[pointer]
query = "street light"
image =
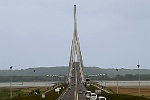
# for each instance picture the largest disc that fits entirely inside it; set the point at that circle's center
(105, 79)
(139, 77)
(34, 79)
(117, 80)
(101, 78)
(47, 77)
(10, 82)
(48, 81)
(61, 78)
(51, 78)
(96, 77)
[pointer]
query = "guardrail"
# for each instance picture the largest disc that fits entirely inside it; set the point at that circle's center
(102, 89)
(60, 97)
(43, 94)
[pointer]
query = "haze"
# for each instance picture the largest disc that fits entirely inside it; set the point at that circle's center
(112, 33)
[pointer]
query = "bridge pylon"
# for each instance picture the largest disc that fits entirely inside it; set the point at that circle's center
(75, 55)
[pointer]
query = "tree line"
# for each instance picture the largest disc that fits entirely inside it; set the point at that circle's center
(126, 77)
(32, 78)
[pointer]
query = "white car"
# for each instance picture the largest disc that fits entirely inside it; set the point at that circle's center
(93, 96)
(101, 98)
(88, 94)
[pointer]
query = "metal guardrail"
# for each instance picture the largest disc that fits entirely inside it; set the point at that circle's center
(50, 89)
(60, 97)
(102, 89)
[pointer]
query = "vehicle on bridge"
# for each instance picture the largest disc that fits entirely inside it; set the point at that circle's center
(88, 94)
(93, 96)
(87, 79)
(101, 98)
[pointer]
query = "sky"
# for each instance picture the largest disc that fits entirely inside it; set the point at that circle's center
(112, 33)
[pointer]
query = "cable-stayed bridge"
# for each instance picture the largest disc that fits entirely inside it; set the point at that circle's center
(76, 77)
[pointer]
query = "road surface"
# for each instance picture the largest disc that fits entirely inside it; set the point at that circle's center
(75, 90)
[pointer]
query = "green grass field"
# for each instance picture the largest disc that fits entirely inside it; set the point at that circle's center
(51, 95)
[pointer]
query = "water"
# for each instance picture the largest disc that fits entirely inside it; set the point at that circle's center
(125, 83)
(27, 84)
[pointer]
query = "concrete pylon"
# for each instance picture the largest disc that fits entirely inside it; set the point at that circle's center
(75, 55)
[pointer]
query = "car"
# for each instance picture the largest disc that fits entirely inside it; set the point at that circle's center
(80, 91)
(101, 98)
(88, 94)
(69, 88)
(93, 96)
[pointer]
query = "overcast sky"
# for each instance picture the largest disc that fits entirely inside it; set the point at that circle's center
(112, 33)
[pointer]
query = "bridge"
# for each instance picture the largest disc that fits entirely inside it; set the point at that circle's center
(76, 78)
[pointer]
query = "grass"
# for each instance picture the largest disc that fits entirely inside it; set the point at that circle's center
(16, 92)
(116, 96)
(51, 95)
(144, 91)
(4, 93)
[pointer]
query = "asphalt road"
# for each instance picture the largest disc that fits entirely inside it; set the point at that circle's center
(76, 88)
